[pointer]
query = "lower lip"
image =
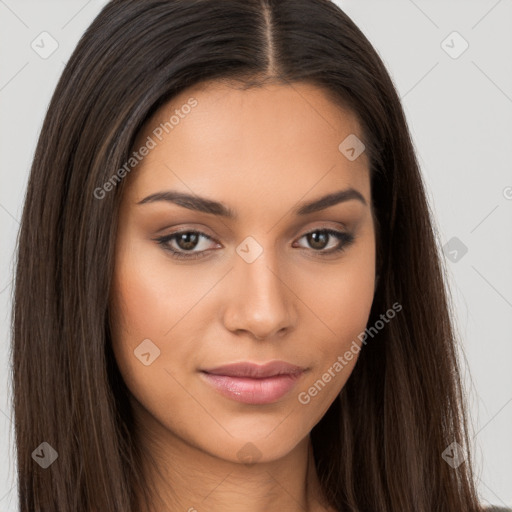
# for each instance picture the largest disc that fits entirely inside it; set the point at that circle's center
(253, 391)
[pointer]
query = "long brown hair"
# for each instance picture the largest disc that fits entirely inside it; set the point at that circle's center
(379, 447)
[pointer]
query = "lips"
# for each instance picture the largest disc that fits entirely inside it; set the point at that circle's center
(251, 383)
(256, 371)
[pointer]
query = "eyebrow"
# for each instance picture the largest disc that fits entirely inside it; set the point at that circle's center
(202, 204)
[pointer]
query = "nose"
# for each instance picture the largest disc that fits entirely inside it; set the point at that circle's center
(259, 300)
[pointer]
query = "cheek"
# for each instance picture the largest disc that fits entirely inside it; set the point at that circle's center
(148, 300)
(144, 307)
(341, 296)
(150, 295)
(342, 309)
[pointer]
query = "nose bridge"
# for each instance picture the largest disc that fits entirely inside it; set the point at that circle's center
(260, 302)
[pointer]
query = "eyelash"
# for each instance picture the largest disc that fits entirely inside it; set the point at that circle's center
(346, 239)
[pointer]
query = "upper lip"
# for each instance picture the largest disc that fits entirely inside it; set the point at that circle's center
(256, 371)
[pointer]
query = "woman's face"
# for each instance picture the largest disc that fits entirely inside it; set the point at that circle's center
(266, 284)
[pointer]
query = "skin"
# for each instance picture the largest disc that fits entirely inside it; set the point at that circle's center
(260, 152)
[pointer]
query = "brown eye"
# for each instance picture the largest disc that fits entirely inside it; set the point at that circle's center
(181, 245)
(187, 241)
(318, 240)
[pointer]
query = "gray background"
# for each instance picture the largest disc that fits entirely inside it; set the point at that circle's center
(460, 115)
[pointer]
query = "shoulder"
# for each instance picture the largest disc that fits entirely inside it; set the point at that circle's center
(497, 509)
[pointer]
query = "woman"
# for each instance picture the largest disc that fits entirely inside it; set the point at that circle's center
(228, 293)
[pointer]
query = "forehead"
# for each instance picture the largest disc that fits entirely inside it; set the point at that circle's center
(287, 135)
